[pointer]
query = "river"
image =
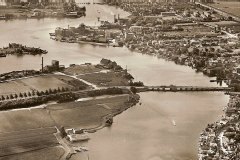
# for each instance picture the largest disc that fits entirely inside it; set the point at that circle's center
(143, 132)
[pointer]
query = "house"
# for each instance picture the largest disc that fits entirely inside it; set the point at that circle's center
(3, 3)
(78, 137)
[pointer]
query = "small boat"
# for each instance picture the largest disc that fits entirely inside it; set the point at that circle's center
(3, 18)
(72, 15)
(173, 122)
(52, 34)
(80, 149)
(3, 55)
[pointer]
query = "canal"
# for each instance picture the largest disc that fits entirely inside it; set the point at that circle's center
(165, 127)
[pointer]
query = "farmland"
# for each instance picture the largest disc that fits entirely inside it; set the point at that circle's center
(53, 153)
(24, 119)
(229, 7)
(26, 140)
(81, 69)
(38, 83)
(86, 114)
(28, 133)
(106, 79)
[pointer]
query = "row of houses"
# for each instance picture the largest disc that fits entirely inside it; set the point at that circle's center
(17, 2)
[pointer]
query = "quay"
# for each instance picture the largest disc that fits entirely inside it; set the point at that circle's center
(173, 88)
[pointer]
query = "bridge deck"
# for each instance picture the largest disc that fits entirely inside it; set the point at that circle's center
(181, 88)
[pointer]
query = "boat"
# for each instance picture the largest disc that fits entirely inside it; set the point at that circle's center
(52, 34)
(80, 149)
(213, 80)
(3, 55)
(72, 15)
(173, 122)
(3, 18)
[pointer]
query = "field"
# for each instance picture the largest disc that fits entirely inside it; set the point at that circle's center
(86, 114)
(25, 130)
(26, 140)
(229, 7)
(50, 153)
(81, 69)
(28, 133)
(106, 79)
(18, 120)
(39, 83)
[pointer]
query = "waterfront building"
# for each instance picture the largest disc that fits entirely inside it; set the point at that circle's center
(3, 3)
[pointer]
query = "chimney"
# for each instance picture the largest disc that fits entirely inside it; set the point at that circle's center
(42, 64)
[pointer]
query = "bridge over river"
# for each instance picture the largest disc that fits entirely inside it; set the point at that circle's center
(173, 88)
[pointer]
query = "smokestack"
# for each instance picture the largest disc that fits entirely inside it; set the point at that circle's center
(42, 64)
(115, 19)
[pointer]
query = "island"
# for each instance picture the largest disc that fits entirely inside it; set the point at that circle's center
(19, 49)
(40, 9)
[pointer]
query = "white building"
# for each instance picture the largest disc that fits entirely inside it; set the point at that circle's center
(3, 3)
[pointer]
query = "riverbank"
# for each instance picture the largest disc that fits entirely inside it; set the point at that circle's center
(20, 50)
(88, 115)
(65, 102)
(220, 140)
(128, 127)
(29, 10)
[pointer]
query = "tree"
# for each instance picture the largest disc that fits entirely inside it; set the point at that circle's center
(55, 90)
(25, 94)
(20, 95)
(42, 93)
(16, 96)
(3, 98)
(29, 94)
(33, 93)
(50, 91)
(63, 89)
(11, 96)
(46, 92)
(38, 93)
(134, 90)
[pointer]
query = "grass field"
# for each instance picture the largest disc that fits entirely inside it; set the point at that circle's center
(81, 69)
(39, 83)
(12, 121)
(50, 153)
(26, 140)
(86, 114)
(229, 7)
(28, 134)
(106, 79)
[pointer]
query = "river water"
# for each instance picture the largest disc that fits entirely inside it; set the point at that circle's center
(144, 132)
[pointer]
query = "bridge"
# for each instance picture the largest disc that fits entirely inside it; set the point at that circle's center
(173, 88)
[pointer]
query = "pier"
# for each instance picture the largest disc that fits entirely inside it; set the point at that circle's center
(173, 88)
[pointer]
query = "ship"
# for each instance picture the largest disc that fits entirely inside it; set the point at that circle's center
(3, 55)
(52, 34)
(72, 15)
(173, 122)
